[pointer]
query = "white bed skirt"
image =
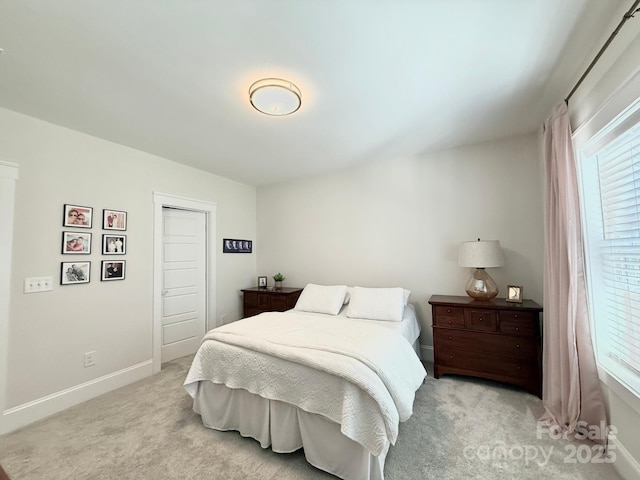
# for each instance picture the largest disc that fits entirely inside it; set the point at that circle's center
(285, 428)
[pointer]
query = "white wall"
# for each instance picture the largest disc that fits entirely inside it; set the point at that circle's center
(399, 223)
(49, 332)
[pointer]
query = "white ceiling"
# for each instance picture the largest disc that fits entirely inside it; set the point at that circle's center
(380, 79)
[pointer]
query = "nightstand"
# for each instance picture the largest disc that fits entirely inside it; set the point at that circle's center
(492, 339)
(257, 300)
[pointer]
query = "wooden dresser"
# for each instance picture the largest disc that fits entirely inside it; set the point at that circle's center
(492, 339)
(257, 300)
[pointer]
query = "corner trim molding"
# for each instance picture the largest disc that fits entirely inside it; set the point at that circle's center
(8, 180)
(626, 465)
(426, 353)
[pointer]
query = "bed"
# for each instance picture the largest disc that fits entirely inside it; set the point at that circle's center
(334, 376)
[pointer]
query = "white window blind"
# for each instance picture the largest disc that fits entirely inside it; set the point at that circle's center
(619, 178)
(609, 166)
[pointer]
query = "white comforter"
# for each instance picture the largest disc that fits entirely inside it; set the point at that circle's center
(363, 377)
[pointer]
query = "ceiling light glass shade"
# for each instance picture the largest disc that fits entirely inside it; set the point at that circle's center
(480, 255)
(274, 96)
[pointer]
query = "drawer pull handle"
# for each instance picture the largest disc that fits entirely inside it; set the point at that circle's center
(450, 337)
(481, 319)
(515, 316)
(450, 356)
(518, 345)
(518, 367)
(449, 322)
(448, 310)
(517, 329)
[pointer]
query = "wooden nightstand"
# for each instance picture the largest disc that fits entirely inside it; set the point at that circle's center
(492, 339)
(257, 300)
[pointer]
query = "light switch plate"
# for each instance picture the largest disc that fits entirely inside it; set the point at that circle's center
(38, 284)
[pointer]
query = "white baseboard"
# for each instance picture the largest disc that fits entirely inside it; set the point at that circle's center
(27, 413)
(626, 466)
(426, 353)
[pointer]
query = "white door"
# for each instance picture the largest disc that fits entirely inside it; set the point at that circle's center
(183, 282)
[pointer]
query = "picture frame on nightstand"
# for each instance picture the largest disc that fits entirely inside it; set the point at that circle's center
(514, 294)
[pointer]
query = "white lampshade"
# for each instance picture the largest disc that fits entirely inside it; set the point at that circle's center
(274, 96)
(480, 254)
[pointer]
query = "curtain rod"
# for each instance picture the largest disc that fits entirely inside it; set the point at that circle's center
(632, 11)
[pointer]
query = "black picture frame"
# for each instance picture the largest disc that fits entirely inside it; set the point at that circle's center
(76, 243)
(113, 270)
(234, 245)
(73, 273)
(114, 220)
(113, 244)
(77, 216)
(262, 282)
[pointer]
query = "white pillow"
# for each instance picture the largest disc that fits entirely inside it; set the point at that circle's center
(321, 298)
(347, 297)
(377, 303)
(405, 292)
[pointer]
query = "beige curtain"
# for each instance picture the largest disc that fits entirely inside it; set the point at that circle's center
(571, 389)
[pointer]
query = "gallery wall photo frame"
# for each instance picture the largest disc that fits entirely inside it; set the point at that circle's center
(114, 220)
(113, 244)
(72, 273)
(234, 245)
(76, 243)
(113, 270)
(77, 216)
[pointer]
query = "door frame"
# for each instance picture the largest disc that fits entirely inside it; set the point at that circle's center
(8, 180)
(161, 200)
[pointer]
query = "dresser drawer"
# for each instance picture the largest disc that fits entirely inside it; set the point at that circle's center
(490, 366)
(480, 319)
(251, 299)
(446, 316)
(279, 303)
(514, 346)
(519, 323)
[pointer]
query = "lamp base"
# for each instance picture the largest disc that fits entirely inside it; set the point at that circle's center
(481, 286)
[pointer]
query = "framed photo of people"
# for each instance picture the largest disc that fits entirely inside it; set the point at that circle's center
(76, 243)
(114, 244)
(72, 273)
(77, 216)
(233, 245)
(113, 270)
(114, 220)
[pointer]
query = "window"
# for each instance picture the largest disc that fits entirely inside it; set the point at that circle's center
(609, 167)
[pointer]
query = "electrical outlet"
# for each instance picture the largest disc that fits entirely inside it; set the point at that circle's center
(89, 359)
(38, 284)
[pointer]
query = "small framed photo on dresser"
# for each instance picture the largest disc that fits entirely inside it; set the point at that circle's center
(514, 294)
(262, 282)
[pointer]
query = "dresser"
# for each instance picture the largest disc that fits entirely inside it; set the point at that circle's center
(492, 339)
(257, 300)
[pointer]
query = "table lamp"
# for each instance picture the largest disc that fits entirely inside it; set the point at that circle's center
(480, 255)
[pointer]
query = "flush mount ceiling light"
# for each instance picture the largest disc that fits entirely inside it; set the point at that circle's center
(274, 96)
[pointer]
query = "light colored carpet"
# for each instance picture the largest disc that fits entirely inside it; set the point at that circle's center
(148, 431)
